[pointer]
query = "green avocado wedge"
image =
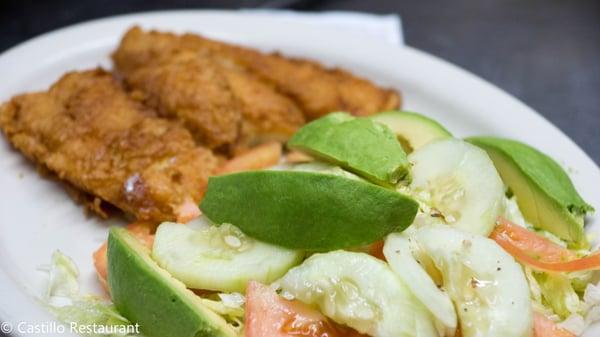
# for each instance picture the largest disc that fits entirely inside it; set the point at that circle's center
(359, 145)
(146, 294)
(307, 210)
(412, 129)
(544, 191)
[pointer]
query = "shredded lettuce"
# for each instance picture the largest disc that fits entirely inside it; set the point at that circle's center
(512, 212)
(64, 300)
(63, 275)
(589, 314)
(571, 299)
(230, 306)
(558, 293)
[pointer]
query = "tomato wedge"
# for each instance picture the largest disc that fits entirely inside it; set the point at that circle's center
(544, 327)
(538, 252)
(269, 315)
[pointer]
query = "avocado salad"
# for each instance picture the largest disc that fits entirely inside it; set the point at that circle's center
(391, 227)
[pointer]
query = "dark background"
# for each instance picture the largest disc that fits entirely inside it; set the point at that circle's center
(545, 52)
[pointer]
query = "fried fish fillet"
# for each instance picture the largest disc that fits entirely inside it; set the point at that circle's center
(315, 89)
(193, 90)
(87, 131)
(151, 63)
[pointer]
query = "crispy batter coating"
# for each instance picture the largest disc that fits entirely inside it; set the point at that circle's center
(266, 113)
(193, 90)
(87, 131)
(274, 91)
(317, 90)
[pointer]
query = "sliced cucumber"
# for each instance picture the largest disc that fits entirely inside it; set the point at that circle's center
(459, 181)
(398, 252)
(412, 129)
(219, 258)
(360, 291)
(487, 286)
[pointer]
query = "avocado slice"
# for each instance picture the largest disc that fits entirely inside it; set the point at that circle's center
(146, 294)
(359, 145)
(544, 191)
(307, 210)
(412, 129)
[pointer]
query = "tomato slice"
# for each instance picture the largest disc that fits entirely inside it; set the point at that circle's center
(544, 327)
(269, 315)
(538, 252)
(376, 249)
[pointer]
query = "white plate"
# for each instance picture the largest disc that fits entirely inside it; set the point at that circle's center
(37, 216)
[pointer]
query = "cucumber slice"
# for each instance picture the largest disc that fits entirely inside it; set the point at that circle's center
(219, 258)
(412, 129)
(459, 181)
(398, 252)
(488, 288)
(360, 291)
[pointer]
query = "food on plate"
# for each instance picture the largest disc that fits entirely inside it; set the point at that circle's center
(269, 93)
(544, 191)
(142, 231)
(339, 233)
(360, 291)
(398, 251)
(412, 129)
(306, 210)
(539, 252)
(192, 89)
(269, 314)
(359, 145)
(259, 157)
(89, 133)
(316, 89)
(222, 258)
(148, 295)
(488, 288)
(459, 184)
(313, 249)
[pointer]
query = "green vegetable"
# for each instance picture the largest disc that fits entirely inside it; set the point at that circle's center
(558, 293)
(362, 292)
(544, 192)
(219, 258)
(150, 296)
(69, 306)
(412, 129)
(359, 145)
(307, 210)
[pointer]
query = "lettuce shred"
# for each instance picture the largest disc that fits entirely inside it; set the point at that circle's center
(570, 299)
(230, 306)
(64, 300)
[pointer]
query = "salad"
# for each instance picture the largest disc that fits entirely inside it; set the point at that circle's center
(381, 226)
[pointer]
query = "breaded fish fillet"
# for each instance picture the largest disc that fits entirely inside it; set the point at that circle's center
(193, 90)
(87, 131)
(145, 60)
(315, 89)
